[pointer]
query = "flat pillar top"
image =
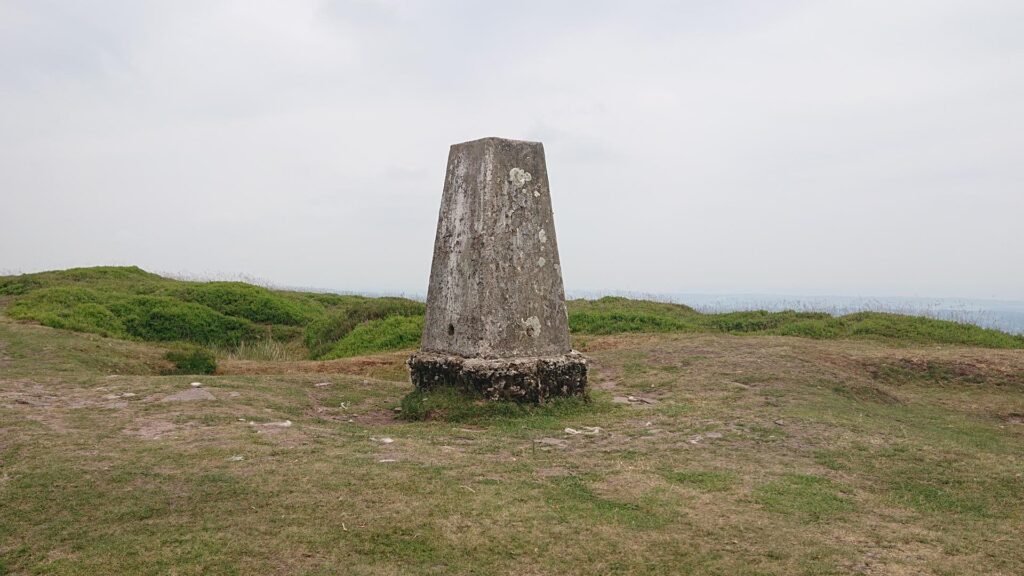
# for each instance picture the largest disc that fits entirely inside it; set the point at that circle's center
(498, 139)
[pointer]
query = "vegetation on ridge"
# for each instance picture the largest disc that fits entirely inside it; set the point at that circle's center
(130, 303)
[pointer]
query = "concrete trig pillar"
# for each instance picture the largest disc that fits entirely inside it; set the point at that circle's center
(496, 321)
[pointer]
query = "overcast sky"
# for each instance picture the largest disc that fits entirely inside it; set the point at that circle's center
(853, 148)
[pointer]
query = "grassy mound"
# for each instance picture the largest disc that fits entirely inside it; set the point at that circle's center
(70, 308)
(253, 303)
(153, 318)
(323, 334)
(391, 333)
(130, 303)
(164, 319)
(615, 315)
(611, 315)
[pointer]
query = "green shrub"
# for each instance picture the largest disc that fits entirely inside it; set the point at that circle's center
(191, 360)
(252, 303)
(164, 319)
(391, 333)
(323, 334)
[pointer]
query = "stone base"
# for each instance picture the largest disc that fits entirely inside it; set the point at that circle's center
(522, 379)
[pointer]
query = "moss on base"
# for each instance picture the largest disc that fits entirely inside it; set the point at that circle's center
(520, 379)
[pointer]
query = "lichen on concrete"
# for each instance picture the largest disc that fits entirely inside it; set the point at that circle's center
(520, 379)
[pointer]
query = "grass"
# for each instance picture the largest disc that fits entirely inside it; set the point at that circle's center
(253, 303)
(754, 454)
(391, 333)
(615, 315)
(233, 318)
(703, 480)
(450, 405)
(808, 497)
(191, 360)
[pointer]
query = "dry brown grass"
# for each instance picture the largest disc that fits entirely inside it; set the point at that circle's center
(756, 455)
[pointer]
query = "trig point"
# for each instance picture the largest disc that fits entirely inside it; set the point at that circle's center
(496, 321)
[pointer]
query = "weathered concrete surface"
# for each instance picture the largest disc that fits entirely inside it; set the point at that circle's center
(531, 379)
(496, 281)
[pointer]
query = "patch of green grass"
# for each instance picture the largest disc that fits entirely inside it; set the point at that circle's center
(944, 484)
(571, 496)
(941, 498)
(392, 333)
(830, 459)
(704, 480)
(812, 498)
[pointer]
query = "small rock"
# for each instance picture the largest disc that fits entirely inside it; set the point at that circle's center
(236, 458)
(386, 460)
(284, 424)
(322, 384)
(780, 422)
(632, 400)
(122, 395)
(190, 395)
(384, 440)
(397, 408)
(196, 384)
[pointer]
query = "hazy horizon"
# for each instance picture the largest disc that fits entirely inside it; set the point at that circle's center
(791, 148)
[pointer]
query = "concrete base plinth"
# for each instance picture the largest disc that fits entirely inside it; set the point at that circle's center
(524, 379)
